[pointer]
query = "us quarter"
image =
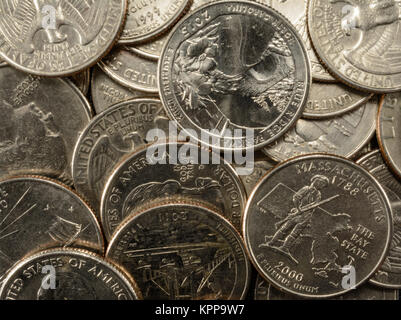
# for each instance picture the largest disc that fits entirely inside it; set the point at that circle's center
(78, 275)
(315, 219)
(327, 100)
(106, 92)
(138, 180)
(345, 135)
(359, 41)
(388, 131)
(389, 274)
(265, 291)
(38, 214)
(82, 81)
(58, 38)
(148, 19)
(296, 11)
(182, 251)
(111, 135)
(131, 70)
(264, 88)
(40, 124)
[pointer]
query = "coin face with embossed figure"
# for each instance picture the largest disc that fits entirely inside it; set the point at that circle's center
(359, 41)
(40, 124)
(344, 135)
(148, 19)
(155, 172)
(110, 136)
(182, 251)
(78, 275)
(231, 66)
(58, 38)
(315, 219)
(389, 274)
(38, 214)
(389, 131)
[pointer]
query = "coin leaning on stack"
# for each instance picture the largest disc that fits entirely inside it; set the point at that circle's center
(121, 129)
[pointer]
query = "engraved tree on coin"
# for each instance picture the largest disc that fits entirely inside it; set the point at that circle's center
(306, 218)
(236, 69)
(23, 19)
(379, 48)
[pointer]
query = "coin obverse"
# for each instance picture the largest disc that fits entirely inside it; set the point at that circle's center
(83, 32)
(265, 291)
(389, 274)
(139, 178)
(40, 124)
(130, 70)
(147, 20)
(80, 275)
(389, 131)
(362, 48)
(234, 65)
(38, 214)
(314, 217)
(110, 136)
(182, 251)
(344, 135)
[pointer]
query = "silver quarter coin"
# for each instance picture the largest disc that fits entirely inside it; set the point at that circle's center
(182, 251)
(263, 88)
(313, 219)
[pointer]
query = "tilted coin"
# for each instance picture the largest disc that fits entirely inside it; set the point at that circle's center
(389, 129)
(148, 19)
(38, 214)
(263, 88)
(131, 70)
(265, 291)
(40, 124)
(260, 168)
(79, 275)
(344, 135)
(77, 36)
(82, 80)
(138, 180)
(315, 219)
(111, 135)
(296, 11)
(182, 251)
(327, 100)
(106, 92)
(389, 274)
(359, 41)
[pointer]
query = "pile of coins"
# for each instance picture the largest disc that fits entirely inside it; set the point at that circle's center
(91, 89)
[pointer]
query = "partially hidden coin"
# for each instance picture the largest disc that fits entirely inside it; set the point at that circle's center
(389, 129)
(116, 132)
(131, 70)
(38, 214)
(344, 135)
(260, 168)
(148, 19)
(296, 12)
(313, 220)
(182, 251)
(263, 88)
(106, 92)
(359, 50)
(156, 172)
(389, 274)
(82, 33)
(265, 291)
(41, 122)
(328, 100)
(82, 80)
(77, 275)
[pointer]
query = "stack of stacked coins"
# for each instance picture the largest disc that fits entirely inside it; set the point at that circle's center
(200, 149)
